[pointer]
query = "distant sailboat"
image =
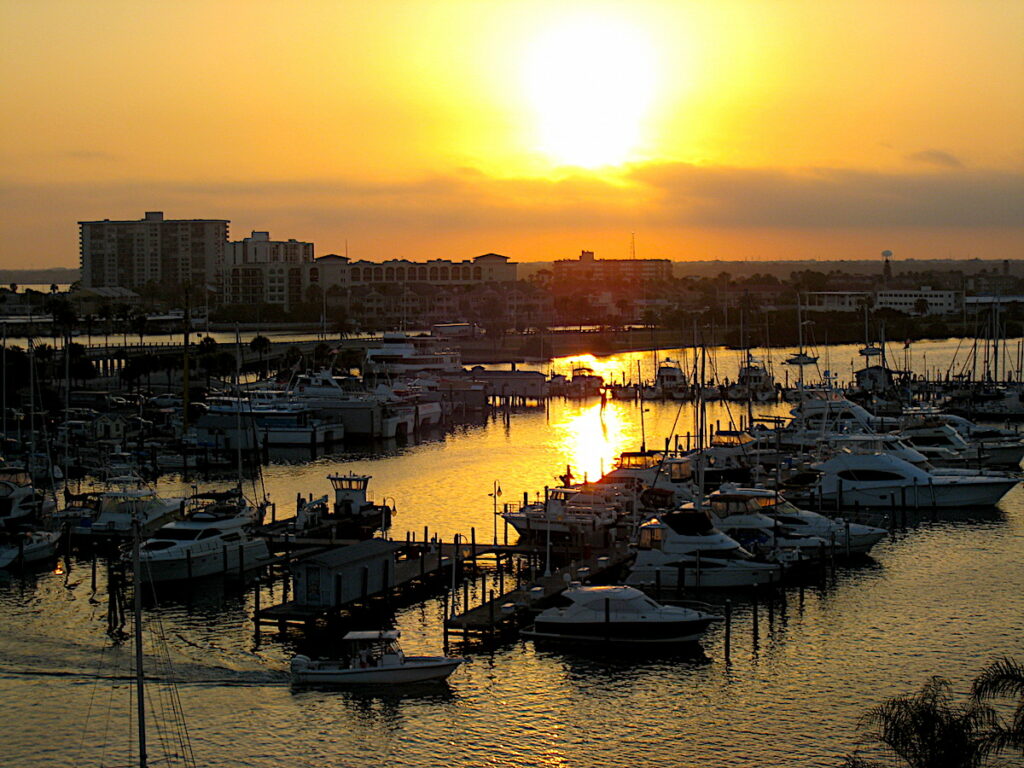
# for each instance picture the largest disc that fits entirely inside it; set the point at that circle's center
(801, 357)
(869, 349)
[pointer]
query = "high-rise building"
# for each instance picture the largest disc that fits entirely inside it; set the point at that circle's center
(258, 248)
(129, 254)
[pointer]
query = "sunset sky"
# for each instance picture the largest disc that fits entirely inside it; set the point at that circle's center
(733, 129)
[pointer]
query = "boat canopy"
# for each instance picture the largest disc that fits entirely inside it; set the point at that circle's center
(372, 634)
(731, 438)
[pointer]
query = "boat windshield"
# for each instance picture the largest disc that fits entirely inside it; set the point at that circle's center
(689, 522)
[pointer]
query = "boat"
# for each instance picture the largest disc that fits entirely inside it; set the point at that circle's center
(844, 535)
(683, 548)
(739, 516)
(565, 512)
(801, 357)
(265, 424)
(583, 384)
(670, 381)
(28, 547)
(353, 515)
(617, 615)
(372, 658)
(110, 514)
(397, 353)
(19, 500)
(214, 537)
(884, 480)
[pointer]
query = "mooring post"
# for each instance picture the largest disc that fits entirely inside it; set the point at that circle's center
(728, 629)
(465, 595)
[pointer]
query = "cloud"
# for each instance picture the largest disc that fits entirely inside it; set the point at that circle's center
(935, 157)
(469, 209)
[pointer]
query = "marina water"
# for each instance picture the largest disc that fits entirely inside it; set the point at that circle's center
(945, 595)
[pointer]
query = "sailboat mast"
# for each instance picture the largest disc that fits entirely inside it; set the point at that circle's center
(139, 670)
(238, 402)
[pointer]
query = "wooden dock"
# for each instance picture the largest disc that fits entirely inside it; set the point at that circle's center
(499, 614)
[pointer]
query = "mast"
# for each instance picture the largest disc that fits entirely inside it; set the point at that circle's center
(238, 403)
(139, 671)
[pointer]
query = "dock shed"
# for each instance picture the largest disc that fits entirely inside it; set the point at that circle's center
(346, 574)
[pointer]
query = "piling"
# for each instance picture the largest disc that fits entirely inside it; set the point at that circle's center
(728, 629)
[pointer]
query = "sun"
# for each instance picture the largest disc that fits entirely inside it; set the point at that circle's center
(590, 81)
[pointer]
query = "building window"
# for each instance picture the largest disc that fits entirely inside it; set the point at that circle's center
(389, 274)
(378, 274)
(400, 273)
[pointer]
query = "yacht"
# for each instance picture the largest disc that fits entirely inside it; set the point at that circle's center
(27, 547)
(214, 537)
(883, 480)
(19, 500)
(845, 536)
(685, 545)
(754, 383)
(670, 381)
(617, 615)
(398, 354)
(230, 421)
(109, 514)
(586, 511)
(739, 516)
(655, 475)
(372, 658)
(584, 383)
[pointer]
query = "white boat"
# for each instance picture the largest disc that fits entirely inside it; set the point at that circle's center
(739, 516)
(354, 515)
(215, 537)
(398, 354)
(110, 513)
(883, 480)
(670, 380)
(231, 421)
(28, 547)
(683, 548)
(19, 499)
(617, 615)
(566, 512)
(754, 383)
(372, 658)
(801, 357)
(854, 538)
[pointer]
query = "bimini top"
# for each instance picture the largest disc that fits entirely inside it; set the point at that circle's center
(373, 634)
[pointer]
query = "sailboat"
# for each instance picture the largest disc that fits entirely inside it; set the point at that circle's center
(869, 349)
(801, 357)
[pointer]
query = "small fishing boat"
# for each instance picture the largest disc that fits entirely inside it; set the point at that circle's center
(617, 615)
(373, 658)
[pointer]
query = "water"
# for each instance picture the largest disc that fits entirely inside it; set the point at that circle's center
(944, 597)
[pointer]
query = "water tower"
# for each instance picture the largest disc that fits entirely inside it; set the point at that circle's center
(887, 269)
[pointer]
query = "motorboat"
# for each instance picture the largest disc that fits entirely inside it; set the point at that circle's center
(617, 615)
(19, 499)
(397, 353)
(109, 514)
(843, 535)
(684, 548)
(28, 547)
(583, 384)
(353, 515)
(564, 513)
(653, 474)
(670, 380)
(230, 422)
(883, 480)
(214, 537)
(372, 658)
(739, 516)
(754, 383)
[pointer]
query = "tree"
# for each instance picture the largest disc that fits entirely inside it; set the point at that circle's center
(1004, 678)
(921, 306)
(928, 729)
(261, 345)
(139, 322)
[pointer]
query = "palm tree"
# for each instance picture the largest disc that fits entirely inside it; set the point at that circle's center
(1004, 679)
(928, 729)
(261, 345)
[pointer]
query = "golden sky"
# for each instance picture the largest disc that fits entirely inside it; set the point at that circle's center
(733, 129)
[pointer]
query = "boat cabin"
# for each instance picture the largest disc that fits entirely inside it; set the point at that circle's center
(373, 648)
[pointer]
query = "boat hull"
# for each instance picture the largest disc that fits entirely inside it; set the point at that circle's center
(641, 632)
(413, 670)
(225, 560)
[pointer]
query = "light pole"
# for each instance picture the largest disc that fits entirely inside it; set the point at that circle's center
(494, 495)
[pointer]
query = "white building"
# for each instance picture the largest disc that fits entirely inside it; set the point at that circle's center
(908, 301)
(836, 301)
(258, 248)
(129, 254)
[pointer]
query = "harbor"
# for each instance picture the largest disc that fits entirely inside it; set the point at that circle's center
(450, 573)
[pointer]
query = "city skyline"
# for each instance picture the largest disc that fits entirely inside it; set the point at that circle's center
(450, 129)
